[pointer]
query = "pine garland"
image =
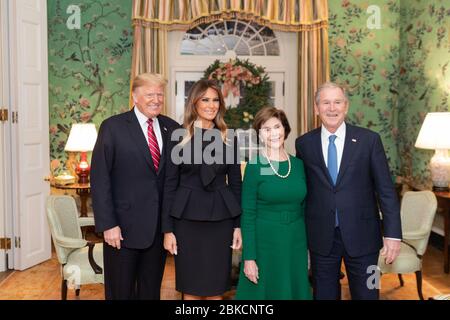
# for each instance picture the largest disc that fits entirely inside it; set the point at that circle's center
(254, 89)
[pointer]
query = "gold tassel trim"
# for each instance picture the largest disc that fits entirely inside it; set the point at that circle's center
(189, 24)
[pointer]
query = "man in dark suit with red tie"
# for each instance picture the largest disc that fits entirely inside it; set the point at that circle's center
(127, 181)
(348, 182)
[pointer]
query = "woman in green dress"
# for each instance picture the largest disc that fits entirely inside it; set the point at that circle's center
(274, 254)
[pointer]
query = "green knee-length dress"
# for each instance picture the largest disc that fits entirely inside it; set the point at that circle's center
(273, 232)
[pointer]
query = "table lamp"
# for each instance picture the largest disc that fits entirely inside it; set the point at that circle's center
(435, 134)
(82, 139)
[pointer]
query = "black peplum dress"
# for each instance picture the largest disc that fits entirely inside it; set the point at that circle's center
(201, 206)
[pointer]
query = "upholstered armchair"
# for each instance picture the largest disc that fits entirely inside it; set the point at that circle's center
(417, 213)
(81, 263)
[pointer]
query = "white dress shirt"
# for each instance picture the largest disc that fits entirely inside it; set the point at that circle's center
(144, 126)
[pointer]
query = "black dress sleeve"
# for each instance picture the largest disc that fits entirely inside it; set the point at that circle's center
(171, 183)
(235, 178)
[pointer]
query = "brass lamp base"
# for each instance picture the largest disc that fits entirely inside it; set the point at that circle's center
(72, 163)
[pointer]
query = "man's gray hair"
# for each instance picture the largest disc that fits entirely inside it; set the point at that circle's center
(329, 85)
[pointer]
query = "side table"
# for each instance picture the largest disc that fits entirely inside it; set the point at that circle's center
(443, 198)
(444, 202)
(82, 189)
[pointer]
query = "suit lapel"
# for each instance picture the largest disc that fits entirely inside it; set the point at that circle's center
(139, 139)
(350, 145)
(165, 137)
(317, 143)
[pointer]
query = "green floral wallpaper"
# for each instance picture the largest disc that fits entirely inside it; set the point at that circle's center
(366, 61)
(396, 71)
(393, 55)
(424, 78)
(89, 65)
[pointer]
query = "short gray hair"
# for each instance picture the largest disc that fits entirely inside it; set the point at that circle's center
(329, 85)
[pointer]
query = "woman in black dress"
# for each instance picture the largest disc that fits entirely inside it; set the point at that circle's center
(202, 196)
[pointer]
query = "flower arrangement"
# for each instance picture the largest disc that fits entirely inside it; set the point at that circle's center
(245, 81)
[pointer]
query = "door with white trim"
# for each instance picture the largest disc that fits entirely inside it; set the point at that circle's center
(193, 51)
(3, 129)
(276, 95)
(184, 80)
(30, 130)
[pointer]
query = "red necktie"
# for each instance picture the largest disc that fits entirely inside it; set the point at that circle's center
(153, 144)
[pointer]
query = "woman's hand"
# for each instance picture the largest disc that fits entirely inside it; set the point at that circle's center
(251, 271)
(170, 243)
(237, 239)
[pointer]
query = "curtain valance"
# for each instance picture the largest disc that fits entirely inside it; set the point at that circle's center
(282, 15)
(153, 19)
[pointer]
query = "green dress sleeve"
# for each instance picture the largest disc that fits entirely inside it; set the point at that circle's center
(248, 217)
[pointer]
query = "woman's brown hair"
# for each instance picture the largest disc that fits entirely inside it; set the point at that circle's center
(266, 113)
(198, 90)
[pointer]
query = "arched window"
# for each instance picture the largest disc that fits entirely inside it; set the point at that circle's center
(191, 52)
(240, 37)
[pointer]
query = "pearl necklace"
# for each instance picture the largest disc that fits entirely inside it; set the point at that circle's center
(273, 169)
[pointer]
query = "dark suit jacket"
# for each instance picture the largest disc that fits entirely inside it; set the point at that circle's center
(202, 192)
(364, 183)
(126, 190)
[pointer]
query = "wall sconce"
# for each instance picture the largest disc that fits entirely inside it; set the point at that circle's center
(82, 139)
(435, 134)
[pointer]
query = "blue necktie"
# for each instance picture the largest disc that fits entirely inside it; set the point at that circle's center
(332, 165)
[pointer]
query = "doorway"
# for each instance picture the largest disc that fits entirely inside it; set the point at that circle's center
(184, 80)
(5, 221)
(191, 52)
(24, 133)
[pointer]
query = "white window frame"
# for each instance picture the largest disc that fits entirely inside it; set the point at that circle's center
(240, 39)
(285, 63)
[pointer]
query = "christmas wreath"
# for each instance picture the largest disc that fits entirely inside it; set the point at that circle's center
(243, 81)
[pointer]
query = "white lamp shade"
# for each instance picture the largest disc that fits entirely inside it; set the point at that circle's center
(435, 131)
(82, 137)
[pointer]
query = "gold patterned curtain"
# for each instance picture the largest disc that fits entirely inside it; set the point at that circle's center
(149, 53)
(152, 19)
(283, 15)
(313, 70)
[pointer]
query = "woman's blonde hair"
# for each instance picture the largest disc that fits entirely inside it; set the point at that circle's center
(198, 90)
